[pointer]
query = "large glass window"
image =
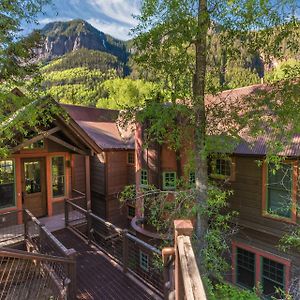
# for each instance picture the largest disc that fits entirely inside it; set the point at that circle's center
(7, 183)
(255, 267)
(279, 190)
(245, 271)
(272, 278)
(58, 176)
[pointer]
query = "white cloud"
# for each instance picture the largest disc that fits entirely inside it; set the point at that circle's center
(113, 29)
(119, 10)
(49, 20)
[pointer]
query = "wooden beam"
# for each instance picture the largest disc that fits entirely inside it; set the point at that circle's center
(65, 144)
(44, 134)
(65, 130)
(88, 182)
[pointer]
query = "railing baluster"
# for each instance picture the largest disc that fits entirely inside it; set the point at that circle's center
(66, 213)
(125, 250)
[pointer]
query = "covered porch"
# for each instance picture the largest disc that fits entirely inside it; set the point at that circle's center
(43, 170)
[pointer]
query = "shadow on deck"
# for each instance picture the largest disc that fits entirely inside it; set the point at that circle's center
(97, 277)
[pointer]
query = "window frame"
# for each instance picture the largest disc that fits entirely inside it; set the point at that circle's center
(169, 188)
(192, 173)
(265, 213)
(213, 173)
(259, 255)
(14, 205)
(128, 160)
(65, 177)
(146, 269)
(144, 185)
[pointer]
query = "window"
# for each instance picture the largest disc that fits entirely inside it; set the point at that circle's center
(254, 266)
(32, 174)
(130, 158)
(245, 268)
(272, 277)
(36, 145)
(169, 180)
(144, 178)
(7, 183)
(220, 168)
(192, 179)
(58, 176)
(131, 211)
(144, 261)
(279, 190)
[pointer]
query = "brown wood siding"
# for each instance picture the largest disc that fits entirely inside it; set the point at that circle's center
(247, 197)
(119, 175)
(98, 174)
(99, 204)
(117, 214)
(78, 172)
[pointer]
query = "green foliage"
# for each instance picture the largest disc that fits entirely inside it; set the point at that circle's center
(126, 93)
(87, 59)
(20, 116)
(289, 69)
(229, 292)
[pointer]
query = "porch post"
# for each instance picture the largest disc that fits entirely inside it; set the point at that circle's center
(88, 182)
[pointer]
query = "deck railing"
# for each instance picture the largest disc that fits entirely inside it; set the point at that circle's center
(22, 227)
(31, 276)
(182, 278)
(137, 257)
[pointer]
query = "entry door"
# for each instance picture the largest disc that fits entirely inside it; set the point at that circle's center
(34, 186)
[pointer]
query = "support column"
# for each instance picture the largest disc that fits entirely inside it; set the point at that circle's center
(138, 167)
(88, 182)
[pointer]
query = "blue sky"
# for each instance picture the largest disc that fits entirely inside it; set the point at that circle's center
(110, 16)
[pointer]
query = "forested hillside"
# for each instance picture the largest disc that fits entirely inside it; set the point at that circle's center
(84, 66)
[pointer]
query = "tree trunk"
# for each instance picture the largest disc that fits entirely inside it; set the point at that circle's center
(200, 128)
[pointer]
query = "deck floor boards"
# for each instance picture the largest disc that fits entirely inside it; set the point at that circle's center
(97, 278)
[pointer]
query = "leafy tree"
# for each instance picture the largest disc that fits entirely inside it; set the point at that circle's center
(173, 41)
(124, 93)
(20, 115)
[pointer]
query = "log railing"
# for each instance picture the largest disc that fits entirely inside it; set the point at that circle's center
(21, 226)
(135, 256)
(183, 279)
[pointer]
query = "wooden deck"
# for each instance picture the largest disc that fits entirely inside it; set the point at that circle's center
(97, 277)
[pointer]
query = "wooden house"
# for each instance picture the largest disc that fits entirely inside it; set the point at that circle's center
(81, 153)
(266, 203)
(112, 162)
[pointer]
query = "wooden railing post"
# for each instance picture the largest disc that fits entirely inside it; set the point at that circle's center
(125, 250)
(89, 225)
(25, 220)
(66, 213)
(185, 228)
(168, 253)
(72, 288)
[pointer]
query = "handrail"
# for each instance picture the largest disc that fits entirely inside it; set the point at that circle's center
(14, 253)
(185, 281)
(190, 275)
(121, 246)
(84, 211)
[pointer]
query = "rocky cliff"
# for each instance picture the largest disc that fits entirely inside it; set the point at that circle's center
(64, 37)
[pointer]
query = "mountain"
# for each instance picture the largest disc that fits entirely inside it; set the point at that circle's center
(64, 37)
